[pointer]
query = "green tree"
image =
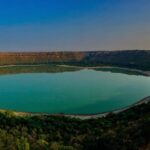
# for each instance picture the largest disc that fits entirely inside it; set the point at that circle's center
(22, 144)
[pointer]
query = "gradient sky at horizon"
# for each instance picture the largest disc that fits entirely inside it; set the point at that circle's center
(49, 25)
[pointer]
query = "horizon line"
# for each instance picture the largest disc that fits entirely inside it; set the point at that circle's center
(53, 51)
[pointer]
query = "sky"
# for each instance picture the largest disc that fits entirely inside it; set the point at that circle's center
(74, 25)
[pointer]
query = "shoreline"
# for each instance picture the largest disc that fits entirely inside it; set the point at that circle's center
(79, 116)
(117, 111)
(146, 73)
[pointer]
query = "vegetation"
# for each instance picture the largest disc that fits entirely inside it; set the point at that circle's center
(128, 130)
(35, 69)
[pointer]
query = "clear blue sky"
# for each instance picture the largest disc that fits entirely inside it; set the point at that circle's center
(49, 25)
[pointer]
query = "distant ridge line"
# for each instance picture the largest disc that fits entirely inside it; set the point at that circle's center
(136, 59)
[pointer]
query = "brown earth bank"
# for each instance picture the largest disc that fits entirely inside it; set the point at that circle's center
(138, 59)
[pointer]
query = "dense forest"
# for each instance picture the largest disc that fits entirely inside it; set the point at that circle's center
(128, 130)
(139, 59)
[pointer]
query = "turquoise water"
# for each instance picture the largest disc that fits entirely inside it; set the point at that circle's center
(79, 92)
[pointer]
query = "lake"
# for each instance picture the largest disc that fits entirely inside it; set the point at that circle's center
(85, 91)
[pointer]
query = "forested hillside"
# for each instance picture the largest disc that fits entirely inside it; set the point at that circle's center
(128, 130)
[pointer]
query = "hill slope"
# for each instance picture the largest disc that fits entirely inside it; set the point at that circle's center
(128, 130)
(139, 59)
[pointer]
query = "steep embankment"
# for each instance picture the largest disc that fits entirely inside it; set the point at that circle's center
(17, 58)
(139, 59)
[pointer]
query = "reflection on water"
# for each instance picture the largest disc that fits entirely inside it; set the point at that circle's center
(35, 69)
(70, 90)
(57, 68)
(122, 70)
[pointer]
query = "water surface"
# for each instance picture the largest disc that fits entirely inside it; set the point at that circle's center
(84, 91)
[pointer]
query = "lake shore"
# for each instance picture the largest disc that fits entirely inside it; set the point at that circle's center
(100, 115)
(146, 73)
(79, 116)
